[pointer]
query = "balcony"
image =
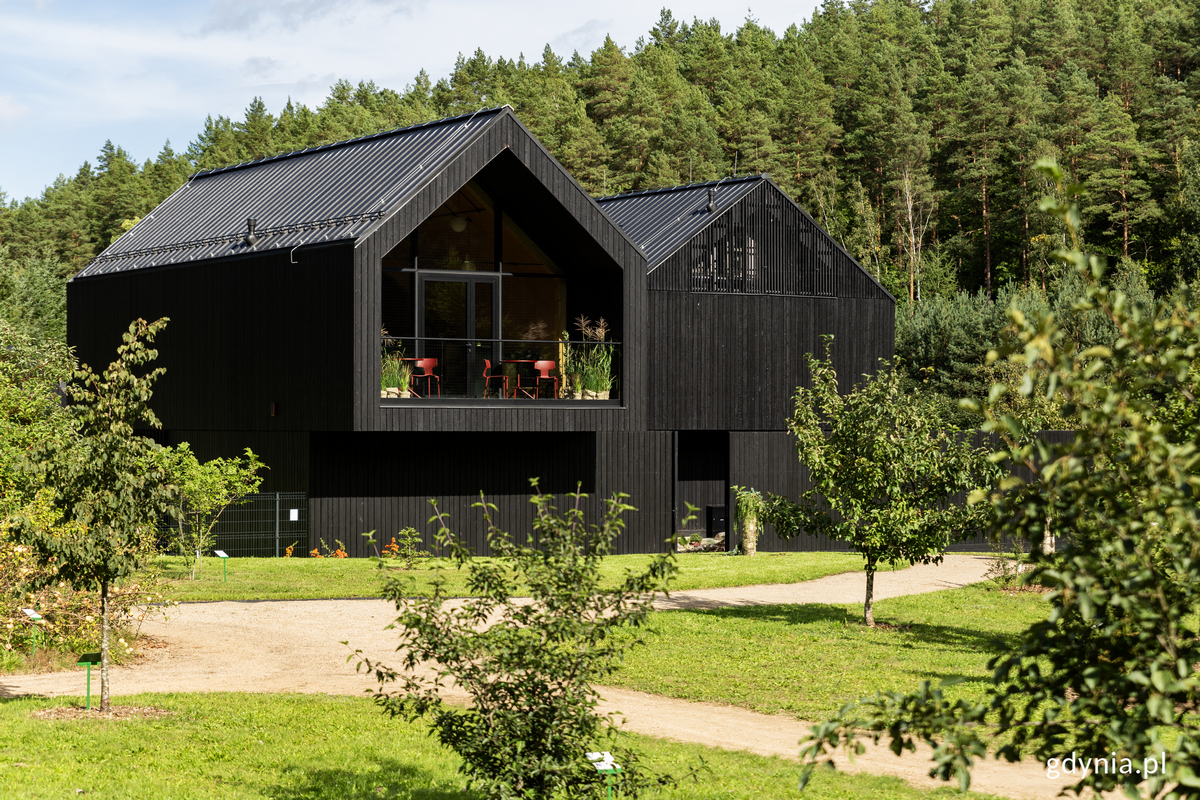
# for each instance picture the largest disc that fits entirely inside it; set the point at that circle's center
(499, 371)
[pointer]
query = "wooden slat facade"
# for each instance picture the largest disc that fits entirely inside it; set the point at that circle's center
(733, 361)
(383, 481)
(245, 333)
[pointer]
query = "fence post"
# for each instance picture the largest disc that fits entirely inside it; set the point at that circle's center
(277, 524)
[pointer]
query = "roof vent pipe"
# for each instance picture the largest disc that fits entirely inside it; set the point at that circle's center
(251, 237)
(712, 200)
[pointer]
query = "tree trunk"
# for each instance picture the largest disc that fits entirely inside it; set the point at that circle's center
(1048, 540)
(103, 646)
(750, 535)
(987, 237)
(868, 609)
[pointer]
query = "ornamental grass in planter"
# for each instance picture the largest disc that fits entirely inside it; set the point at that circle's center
(594, 361)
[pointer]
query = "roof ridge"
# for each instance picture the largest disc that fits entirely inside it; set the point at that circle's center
(681, 187)
(344, 142)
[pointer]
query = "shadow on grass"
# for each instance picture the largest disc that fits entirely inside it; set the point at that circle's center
(394, 778)
(897, 633)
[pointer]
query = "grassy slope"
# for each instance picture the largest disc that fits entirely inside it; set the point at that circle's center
(308, 578)
(318, 748)
(809, 660)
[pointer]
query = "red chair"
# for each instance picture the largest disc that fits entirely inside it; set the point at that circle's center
(543, 374)
(488, 377)
(427, 366)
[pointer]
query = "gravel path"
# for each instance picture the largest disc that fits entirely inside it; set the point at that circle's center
(293, 646)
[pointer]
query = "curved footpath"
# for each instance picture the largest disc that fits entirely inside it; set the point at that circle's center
(293, 646)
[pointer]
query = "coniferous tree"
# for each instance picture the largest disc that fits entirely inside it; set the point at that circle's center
(1118, 194)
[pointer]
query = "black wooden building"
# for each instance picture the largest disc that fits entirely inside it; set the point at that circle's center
(462, 243)
(742, 283)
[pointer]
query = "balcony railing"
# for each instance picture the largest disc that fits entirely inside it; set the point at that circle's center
(499, 369)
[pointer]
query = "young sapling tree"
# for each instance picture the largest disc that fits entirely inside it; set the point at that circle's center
(205, 490)
(1109, 676)
(107, 480)
(883, 474)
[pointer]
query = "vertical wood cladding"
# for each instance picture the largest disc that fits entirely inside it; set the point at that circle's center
(733, 362)
(767, 461)
(284, 453)
(383, 481)
(640, 464)
(244, 333)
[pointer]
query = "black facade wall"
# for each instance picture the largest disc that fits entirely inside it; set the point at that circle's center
(383, 481)
(554, 210)
(733, 361)
(767, 461)
(245, 333)
(640, 464)
(284, 453)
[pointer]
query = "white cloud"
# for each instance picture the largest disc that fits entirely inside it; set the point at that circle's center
(261, 67)
(584, 38)
(249, 16)
(11, 112)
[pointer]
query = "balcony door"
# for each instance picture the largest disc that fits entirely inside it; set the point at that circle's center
(458, 323)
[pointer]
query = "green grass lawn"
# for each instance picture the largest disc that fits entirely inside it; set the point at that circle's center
(311, 578)
(315, 747)
(807, 661)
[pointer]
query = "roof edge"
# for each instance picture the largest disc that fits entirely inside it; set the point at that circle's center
(762, 176)
(680, 187)
(344, 142)
(501, 112)
(716, 214)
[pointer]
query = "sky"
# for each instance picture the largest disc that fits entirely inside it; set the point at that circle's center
(75, 73)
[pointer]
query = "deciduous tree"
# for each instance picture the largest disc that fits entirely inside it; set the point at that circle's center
(108, 485)
(883, 475)
(203, 492)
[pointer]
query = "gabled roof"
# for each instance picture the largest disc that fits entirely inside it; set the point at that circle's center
(660, 221)
(330, 193)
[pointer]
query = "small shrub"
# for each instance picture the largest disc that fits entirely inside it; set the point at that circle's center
(531, 672)
(1005, 568)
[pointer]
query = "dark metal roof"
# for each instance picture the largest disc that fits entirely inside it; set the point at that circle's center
(660, 221)
(329, 193)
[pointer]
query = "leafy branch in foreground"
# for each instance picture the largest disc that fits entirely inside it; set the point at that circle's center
(1110, 675)
(528, 664)
(883, 473)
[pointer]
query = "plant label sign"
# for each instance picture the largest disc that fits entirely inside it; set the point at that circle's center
(33, 615)
(603, 762)
(221, 554)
